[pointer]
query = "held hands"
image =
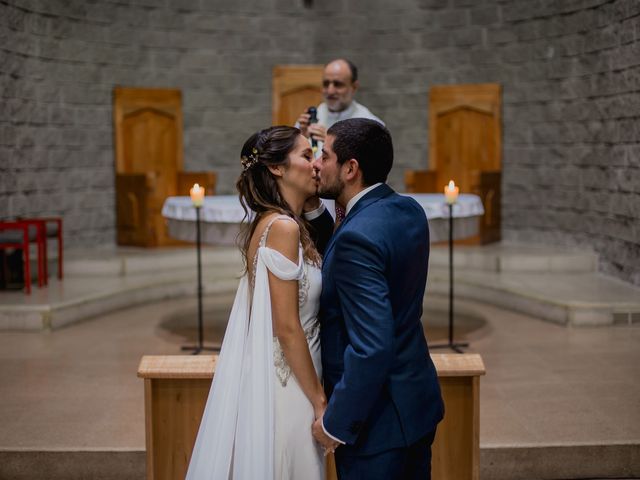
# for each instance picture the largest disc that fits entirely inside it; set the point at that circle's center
(326, 442)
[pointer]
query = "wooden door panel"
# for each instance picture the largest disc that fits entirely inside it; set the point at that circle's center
(465, 146)
(148, 137)
(294, 102)
(465, 132)
(150, 140)
(478, 109)
(294, 89)
(151, 122)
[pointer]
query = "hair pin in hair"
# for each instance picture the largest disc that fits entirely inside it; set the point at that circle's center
(249, 161)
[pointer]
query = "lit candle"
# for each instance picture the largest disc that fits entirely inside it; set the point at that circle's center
(197, 195)
(451, 192)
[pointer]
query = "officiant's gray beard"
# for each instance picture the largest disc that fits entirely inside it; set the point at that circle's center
(332, 191)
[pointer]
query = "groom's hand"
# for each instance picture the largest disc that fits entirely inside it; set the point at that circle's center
(328, 443)
(312, 203)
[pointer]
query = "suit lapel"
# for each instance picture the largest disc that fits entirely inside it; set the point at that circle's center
(370, 198)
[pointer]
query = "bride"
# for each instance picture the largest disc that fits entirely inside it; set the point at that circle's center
(266, 392)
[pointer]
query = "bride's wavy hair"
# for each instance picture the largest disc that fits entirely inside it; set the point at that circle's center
(258, 189)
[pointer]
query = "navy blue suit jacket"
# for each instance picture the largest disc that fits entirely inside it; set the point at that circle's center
(381, 383)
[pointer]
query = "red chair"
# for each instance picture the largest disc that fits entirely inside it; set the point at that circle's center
(39, 230)
(20, 234)
(49, 227)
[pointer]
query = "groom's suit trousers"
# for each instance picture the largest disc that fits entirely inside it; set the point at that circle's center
(410, 463)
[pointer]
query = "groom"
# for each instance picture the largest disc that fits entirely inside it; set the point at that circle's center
(384, 398)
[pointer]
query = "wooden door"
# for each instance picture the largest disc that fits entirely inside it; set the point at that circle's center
(295, 89)
(465, 145)
(148, 138)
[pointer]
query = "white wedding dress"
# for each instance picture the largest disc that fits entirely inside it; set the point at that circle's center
(257, 421)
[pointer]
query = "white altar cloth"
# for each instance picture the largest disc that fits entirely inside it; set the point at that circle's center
(221, 216)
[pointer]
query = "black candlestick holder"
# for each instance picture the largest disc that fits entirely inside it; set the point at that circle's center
(456, 347)
(196, 349)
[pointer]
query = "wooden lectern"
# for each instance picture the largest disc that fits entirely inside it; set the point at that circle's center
(176, 389)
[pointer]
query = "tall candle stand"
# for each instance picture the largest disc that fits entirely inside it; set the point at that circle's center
(197, 196)
(451, 195)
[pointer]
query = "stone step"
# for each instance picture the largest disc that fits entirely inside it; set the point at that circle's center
(555, 462)
(25, 464)
(132, 261)
(577, 299)
(500, 257)
(111, 294)
(96, 284)
(496, 463)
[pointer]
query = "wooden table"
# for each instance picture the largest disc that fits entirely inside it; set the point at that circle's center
(176, 389)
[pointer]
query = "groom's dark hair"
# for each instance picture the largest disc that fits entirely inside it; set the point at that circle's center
(369, 142)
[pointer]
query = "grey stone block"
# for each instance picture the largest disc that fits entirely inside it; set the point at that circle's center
(452, 18)
(98, 137)
(627, 56)
(61, 28)
(357, 6)
(92, 115)
(632, 156)
(528, 31)
(578, 21)
(601, 39)
(418, 20)
(512, 11)
(38, 25)
(500, 35)
(15, 18)
(131, 15)
(73, 137)
(169, 19)
(433, 4)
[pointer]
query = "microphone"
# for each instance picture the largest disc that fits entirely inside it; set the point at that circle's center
(313, 118)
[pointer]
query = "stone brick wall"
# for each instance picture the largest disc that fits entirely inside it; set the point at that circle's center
(570, 71)
(59, 63)
(572, 127)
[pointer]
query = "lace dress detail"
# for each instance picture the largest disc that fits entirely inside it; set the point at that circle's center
(283, 370)
(303, 287)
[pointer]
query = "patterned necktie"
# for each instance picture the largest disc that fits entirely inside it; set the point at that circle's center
(340, 213)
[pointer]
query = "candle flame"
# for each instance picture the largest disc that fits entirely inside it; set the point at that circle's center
(197, 195)
(452, 185)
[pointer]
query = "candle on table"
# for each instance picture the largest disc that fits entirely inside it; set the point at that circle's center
(197, 195)
(451, 192)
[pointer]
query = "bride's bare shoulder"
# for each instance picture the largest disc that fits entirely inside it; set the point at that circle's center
(283, 235)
